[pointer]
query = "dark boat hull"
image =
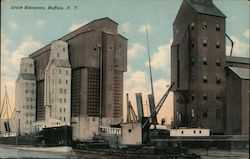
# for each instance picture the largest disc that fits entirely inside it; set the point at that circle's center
(54, 136)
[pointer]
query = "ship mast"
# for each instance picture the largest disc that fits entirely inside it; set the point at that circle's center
(154, 119)
(6, 109)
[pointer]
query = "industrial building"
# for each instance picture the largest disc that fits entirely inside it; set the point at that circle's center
(57, 100)
(79, 78)
(25, 99)
(237, 110)
(212, 89)
(198, 59)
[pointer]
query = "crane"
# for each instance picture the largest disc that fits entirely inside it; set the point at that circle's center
(131, 116)
(159, 105)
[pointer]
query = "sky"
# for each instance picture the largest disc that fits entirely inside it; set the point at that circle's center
(24, 31)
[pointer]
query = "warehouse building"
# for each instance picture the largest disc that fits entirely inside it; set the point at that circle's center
(237, 110)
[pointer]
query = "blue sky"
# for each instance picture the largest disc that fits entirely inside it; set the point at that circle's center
(25, 31)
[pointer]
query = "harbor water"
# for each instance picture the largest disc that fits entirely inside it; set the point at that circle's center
(13, 152)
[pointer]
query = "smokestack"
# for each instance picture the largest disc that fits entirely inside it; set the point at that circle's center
(139, 106)
(152, 107)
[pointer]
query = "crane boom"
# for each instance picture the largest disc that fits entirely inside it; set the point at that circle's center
(159, 105)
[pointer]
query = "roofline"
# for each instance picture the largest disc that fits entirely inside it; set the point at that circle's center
(65, 36)
(211, 15)
(228, 67)
(122, 36)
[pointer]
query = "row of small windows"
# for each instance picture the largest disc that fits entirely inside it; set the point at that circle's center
(32, 91)
(204, 26)
(28, 106)
(218, 80)
(29, 114)
(205, 44)
(59, 81)
(61, 100)
(29, 99)
(205, 96)
(205, 79)
(217, 114)
(62, 109)
(62, 91)
(60, 72)
(29, 83)
(205, 61)
(64, 119)
(28, 122)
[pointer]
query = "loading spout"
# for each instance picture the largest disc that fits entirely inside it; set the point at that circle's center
(232, 44)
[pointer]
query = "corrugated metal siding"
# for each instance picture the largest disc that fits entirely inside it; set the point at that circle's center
(40, 110)
(75, 92)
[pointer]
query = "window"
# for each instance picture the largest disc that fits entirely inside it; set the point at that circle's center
(194, 131)
(61, 90)
(204, 97)
(200, 131)
(60, 100)
(57, 54)
(204, 79)
(217, 96)
(66, 81)
(217, 27)
(205, 114)
(64, 119)
(25, 70)
(193, 96)
(27, 99)
(64, 109)
(95, 48)
(129, 130)
(204, 42)
(192, 61)
(192, 78)
(182, 132)
(31, 65)
(217, 62)
(60, 71)
(217, 80)
(192, 26)
(60, 109)
(192, 113)
(64, 100)
(66, 72)
(217, 44)
(204, 25)
(26, 91)
(192, 43)
(63, 49)
(64, 91)
(59, 81)
(204, 61)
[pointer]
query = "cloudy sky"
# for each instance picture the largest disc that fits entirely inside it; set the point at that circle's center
(23, 31)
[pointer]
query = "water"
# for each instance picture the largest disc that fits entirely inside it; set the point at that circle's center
(15, 153)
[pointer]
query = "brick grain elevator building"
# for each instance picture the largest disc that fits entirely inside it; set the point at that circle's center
(198, 60)
(98, 59)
